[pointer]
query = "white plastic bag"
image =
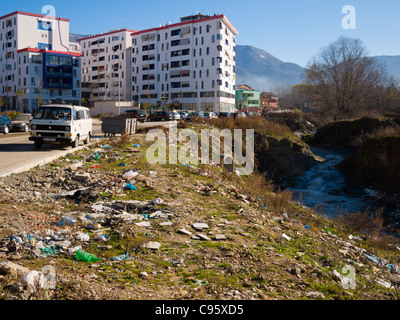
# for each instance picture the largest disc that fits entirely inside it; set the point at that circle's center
(33, 280)
(83, 237)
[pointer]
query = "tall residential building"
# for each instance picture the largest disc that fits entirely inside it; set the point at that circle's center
(191, 64)
(38, 64)
(106, 65)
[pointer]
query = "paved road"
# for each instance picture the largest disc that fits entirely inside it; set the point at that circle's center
(18, 154)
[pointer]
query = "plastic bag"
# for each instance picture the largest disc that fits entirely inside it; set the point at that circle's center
(130, 186)
(67, 220)
(83, 237)
(123, 257)
(33, 280)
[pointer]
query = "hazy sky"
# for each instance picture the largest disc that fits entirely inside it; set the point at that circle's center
(291, 30)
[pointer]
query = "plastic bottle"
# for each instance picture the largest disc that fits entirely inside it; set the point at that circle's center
(67, 220)
(74, 249)
(85, 256)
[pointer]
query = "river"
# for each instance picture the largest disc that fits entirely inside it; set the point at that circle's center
(324, 187)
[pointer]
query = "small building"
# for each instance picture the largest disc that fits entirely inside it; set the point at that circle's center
(247, 97)
(269, 101)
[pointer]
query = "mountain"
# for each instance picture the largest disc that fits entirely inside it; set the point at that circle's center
(74, 37)
(392, 64)
(261, 70)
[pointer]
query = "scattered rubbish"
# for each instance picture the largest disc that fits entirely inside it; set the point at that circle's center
(130, 186)
(123, 257)
(152, 245)
(67, 220)
(372, 258)
(346, 282)
(9, 267)
(384, 283)
(85, 256)
(307, 227)
(166, 224)
(351, 237)
(156, 201)
(74, 249)
(130, 174)
(106, 146)
(96, 166)
(136, 145)
(100, 237)
(49, 251)
(122, 164)
(83, 237)
(33, 280)
(159, 215)
(144, 224)
(200, 283)
(286, 236)
(153, 174)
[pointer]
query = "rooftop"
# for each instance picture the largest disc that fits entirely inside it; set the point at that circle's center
(190, 20)
(32, 15)
(106, 34)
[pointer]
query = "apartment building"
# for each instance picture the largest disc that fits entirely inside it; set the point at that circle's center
(106, 65)
(191, 64)
(37, 62)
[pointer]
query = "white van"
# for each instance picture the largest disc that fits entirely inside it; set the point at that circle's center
(61, 124)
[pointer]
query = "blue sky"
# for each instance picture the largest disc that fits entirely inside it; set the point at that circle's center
(291, 30)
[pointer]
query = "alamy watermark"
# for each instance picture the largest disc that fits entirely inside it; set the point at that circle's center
(194, 152)
(48, 22)
(347, 277)
(349, 20)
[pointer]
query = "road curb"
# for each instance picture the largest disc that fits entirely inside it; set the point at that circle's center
(45, 161)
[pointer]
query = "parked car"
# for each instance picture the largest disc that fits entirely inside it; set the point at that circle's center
(164, 116)
(183, 114)
(224, 114)
(210, 115)
(193, 115)
(139, 114)
(5, 124)
(22, 122)
(61, 124)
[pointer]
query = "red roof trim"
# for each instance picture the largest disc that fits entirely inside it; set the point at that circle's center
(32, 15)
(75, 54)
(188, 22)
(106, 34)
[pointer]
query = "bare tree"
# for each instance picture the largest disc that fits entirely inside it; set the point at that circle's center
(347, 79)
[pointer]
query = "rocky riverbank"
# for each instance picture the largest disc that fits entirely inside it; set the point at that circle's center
(174, 232)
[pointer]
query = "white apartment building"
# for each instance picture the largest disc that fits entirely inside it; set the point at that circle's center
(191, 64)
(106, 65)
(37, 64)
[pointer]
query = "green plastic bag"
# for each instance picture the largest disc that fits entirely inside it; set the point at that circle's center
(85, 256)
(49, 251)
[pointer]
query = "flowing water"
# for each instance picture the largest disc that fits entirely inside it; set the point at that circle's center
(324, 187)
